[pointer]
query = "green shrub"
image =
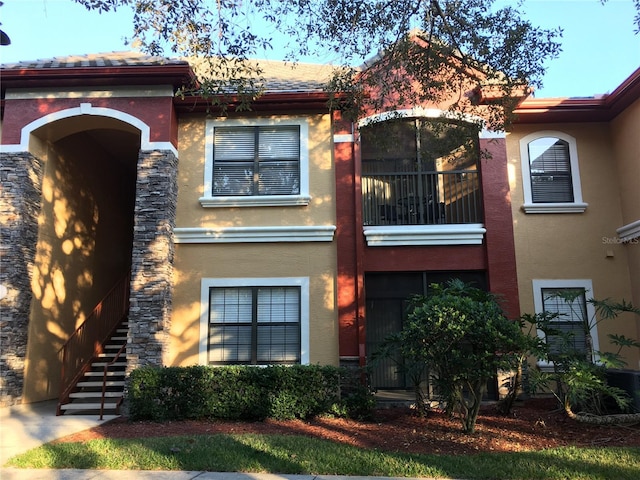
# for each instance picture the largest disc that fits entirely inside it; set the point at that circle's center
(245, 393)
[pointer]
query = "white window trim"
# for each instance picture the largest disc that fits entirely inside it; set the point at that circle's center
(585, 284)
(303, 198)
(578, 205)
(207, 283)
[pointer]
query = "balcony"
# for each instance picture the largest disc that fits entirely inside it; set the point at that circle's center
(433, 208)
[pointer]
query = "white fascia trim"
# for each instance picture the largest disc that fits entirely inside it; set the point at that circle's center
(255, 234)
(459, 234)
(254, 201)
(301, 199)
(88, 109)
(578, 205)
(95, 92)
(491, 134)
(207, 283)
(586, 284)
(420, 112)
(555, 207)
(343, 138)
(629, 232)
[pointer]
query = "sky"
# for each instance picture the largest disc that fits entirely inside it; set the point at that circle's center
(600, 47)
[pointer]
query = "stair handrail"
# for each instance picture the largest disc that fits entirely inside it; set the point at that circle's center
(104, 379)
(85, 343)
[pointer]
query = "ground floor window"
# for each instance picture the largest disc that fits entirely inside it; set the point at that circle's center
(254, 321)
(567, 299)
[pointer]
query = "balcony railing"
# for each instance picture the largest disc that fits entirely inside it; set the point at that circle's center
(414, 198)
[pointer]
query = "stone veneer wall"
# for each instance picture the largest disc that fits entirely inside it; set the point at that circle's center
(21, 181)
(152, 258)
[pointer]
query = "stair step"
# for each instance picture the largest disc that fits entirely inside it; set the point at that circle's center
(113, 339)
(88, 406)
(95, 394)
(113, 346)
(104, 364)
(101, 374)
(110, 383)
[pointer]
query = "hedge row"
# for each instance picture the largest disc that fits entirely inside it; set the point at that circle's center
(246, 393)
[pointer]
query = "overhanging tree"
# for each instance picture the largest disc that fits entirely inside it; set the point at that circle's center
(465, 48)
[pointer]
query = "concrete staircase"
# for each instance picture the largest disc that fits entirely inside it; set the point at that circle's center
(86, 397)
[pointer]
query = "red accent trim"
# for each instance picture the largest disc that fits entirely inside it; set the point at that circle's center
(596, 109)
(176, 75)
(427, 258)
(291, 101)
(157, 112)
(500, 245)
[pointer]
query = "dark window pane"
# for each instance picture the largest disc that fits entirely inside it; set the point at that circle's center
(550, 170)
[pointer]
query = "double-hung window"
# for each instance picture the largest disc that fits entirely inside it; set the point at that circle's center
(256, 160)
(254, 322)
(571, 308)
(550, 173)
(568, 300)
(253, 162)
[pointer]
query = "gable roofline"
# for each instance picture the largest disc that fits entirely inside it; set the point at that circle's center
(602, 108)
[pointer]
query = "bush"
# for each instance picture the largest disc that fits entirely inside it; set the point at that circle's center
(245, 393)
(459, 335)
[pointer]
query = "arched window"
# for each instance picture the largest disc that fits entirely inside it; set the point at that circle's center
(550, 173)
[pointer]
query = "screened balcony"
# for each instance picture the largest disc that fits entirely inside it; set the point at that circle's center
(420, 171)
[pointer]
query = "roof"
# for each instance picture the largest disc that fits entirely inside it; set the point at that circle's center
(114, 68)
(276, 76)
(587, 109)
(100, 60)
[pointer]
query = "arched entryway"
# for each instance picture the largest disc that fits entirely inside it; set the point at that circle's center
(92, 200)
(85, 233)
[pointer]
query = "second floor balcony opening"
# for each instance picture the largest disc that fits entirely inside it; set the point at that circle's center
(419, 171)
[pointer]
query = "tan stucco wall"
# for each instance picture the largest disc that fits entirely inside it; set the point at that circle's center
(625, 129)
(575, 245)
(316, 260)
(321, 210)
(194, 262)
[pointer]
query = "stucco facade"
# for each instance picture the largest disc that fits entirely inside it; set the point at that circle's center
(240, 242)
(111, 176)
(600, 242)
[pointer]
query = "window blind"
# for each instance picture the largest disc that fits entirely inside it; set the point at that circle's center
(256, 160)
(254, 325)
(570, 305)
(550, 168)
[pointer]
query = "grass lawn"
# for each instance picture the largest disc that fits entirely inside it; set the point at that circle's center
(290, 454)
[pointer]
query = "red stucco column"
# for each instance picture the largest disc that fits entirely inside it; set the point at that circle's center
(349, 245)
(500, 247)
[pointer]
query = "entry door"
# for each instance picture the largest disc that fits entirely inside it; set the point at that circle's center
(385, 317)
(387, 297)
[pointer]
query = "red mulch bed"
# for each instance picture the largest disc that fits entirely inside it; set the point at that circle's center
(533, 425)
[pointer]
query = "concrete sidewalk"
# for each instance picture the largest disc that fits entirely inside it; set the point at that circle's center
(24, 427)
